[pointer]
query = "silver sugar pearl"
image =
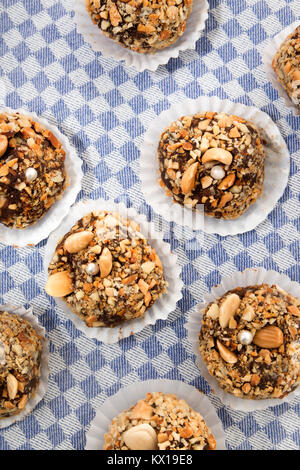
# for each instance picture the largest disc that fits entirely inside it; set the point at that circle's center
(92, 269)
(217, 172)
(245, 337)
(30, 174)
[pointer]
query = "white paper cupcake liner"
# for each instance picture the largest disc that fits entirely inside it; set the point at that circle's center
(270, 50)
(160, 309)
(193, 327)
(100, 43)
(130, 395)
(33, 234)
(276, 170)
(27, 314)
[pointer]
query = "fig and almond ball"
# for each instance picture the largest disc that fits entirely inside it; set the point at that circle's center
(250, 341)
(105, 270)
(144, 26)
(32, 170)
(213, 159)
(20, 360)
(159, 422)
(286, 65)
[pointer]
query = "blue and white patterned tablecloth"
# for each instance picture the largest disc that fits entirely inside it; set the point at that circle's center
(104, 108)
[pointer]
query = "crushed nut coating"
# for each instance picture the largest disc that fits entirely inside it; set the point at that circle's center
(286, 64)
(144, 26)
(115, 274)
(177, 425)
(32, 170)
(20, 358)
(268, 367)
(212, 159)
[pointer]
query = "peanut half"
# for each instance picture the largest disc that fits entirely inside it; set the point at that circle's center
(105, 262)
(227, 182)
(206, 182)
(12, 386)
(269, 337)
(141, 437)
(188, 178)
(228, 308)
(78, 241)
(226, 354)
(59, 284)
(217, 154)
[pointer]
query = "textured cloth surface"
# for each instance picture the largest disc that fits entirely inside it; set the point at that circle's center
(104, 108)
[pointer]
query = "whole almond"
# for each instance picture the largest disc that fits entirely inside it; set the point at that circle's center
(78, 241)
(3, 144)
(59, 284)
(188, 178)
(226, 354)
(269, 337)
(12, 386)
(105, 262)
(228, 309)
(217, 154)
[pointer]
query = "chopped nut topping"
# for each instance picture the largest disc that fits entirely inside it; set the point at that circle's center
(219, 161)
(266, 366)
(26, 148)
(176, 426)
(286, 64)
(130, 277)
(20, 363)
(143, 26)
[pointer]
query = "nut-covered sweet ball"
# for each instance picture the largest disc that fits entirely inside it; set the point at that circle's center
(286, 64)
(105, 270)
(32, 170)
(144, 26)
(249, 341)
(20, 359)
(159, 422)
(212, 159)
